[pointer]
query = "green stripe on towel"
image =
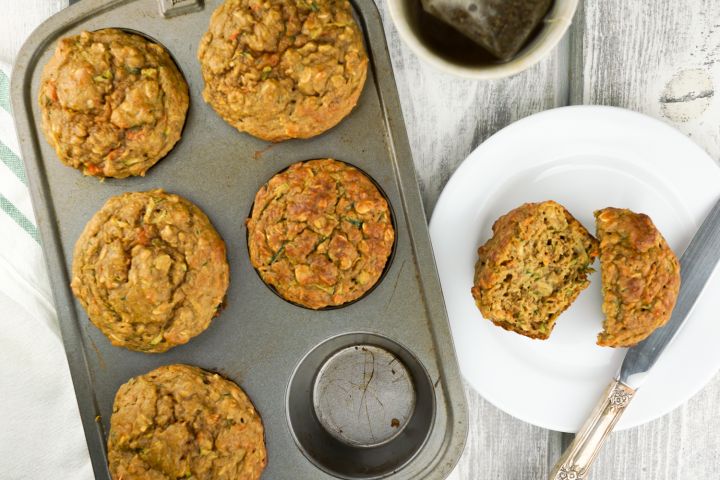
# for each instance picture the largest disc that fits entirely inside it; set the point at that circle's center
(13, 162)
(18, 217)
(4, 92)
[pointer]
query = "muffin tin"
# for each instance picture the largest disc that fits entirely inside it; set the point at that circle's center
(282, 355)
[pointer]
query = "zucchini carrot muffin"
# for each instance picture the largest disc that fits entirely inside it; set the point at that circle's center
(640, 277)
(150, 270)
(533, 268)
(179, 421)
(320, 233)
(281, 69)
(112, 103)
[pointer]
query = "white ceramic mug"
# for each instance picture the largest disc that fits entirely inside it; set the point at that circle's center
(554, 27)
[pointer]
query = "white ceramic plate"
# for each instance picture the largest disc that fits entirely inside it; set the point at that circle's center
(586, 158)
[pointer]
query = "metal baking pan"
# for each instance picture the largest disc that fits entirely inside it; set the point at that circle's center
(271, 348)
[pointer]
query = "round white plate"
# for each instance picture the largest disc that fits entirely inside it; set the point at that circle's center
(586, 158)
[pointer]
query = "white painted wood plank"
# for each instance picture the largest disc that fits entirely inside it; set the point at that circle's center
(682, 444)
(652, 56)
(20, 19)
(662, 58)
(446, 119)
(502, 447)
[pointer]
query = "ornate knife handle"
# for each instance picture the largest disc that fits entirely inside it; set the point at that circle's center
(576, 460)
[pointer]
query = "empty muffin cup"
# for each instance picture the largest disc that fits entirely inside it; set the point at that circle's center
(364, 396)
(360, 406)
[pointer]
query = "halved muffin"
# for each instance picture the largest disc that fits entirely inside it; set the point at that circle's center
(533, 268)
(640, 277)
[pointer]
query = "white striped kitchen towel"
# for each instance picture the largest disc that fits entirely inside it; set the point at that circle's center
(40, 432)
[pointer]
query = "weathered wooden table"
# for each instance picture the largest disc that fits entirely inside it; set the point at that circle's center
(653, 56)
(658, 57)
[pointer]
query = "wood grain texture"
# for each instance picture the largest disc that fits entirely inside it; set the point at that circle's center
(25, 16)
(660, 57)
(446, 119)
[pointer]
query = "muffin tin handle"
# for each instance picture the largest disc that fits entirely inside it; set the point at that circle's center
(575, 462)
(173, 8)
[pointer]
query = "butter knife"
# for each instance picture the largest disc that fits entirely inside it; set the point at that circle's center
(696, 266)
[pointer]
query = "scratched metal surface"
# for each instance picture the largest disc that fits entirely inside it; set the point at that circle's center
(258, 339)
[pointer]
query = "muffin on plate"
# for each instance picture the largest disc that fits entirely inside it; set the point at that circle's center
(320, 233)
(150, 270)
(179, 421)
(283, 69)
(113, 103)
(533, 268)
(640, 277)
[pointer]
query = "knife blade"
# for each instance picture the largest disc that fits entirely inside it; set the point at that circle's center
(697, 265)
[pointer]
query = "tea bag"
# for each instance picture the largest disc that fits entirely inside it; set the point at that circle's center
(500, 26)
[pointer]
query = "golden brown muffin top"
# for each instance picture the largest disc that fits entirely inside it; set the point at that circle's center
(283, 69)
(640, 277)
(150, 270)
(320, 233)
(532, 269)
(179, 421)
(113, 103)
